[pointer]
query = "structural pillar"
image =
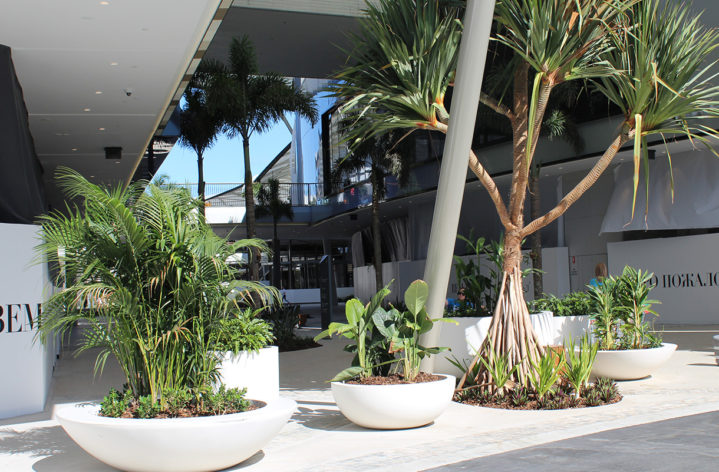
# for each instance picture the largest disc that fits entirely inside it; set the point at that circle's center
(453, 172)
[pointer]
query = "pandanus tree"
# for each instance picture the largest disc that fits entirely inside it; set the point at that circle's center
(199, 128)
(271, 203)
(647, 59)
(248, 103)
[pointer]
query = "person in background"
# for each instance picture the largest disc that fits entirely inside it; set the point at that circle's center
(600, 273)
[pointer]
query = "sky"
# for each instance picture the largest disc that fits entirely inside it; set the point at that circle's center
(224, 161)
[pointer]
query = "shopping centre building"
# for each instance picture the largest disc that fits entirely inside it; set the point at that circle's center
(94, 85)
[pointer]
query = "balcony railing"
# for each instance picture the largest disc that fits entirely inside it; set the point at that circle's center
(233, 194)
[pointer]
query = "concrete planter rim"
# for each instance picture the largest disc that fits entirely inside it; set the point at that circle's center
(631, 364)
(398, 406)
(192, 444)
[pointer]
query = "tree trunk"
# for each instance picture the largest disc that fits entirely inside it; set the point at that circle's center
(254, 265)
(536, 237)
(510, 331)
(376, 235)
(201, 181)
(275, 255)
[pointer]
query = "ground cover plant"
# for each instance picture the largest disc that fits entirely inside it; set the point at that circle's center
(648, 59)
(143, 271)
(558, 380)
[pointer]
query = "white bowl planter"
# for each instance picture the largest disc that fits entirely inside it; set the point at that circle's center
(716, 348)
(394, 406)
(174, 444)
(631, 364)
(258, 371)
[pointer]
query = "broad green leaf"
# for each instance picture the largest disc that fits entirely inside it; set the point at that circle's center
(348, 374)
(354, 311)
(385, 321)
(416, 296)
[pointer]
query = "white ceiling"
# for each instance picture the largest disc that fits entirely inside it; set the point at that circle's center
(76, 61)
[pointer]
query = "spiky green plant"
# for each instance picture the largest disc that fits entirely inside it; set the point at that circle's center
(146, 274)
(646, 58)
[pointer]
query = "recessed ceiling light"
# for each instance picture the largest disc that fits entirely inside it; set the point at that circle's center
(117, 162)
(85, 109)
(92, 176)
(101, 129)
(104, 3)
(98, 92)
(74, 149)
(114, 63)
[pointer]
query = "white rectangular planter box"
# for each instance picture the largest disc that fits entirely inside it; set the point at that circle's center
(259, 372)
(464, 338)
(566, 327)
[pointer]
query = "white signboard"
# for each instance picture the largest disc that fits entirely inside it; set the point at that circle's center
(27, 367)
(686, 273)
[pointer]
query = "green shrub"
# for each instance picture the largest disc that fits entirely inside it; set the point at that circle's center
(574, 303)
(175, 402)
(148, 277)
(243, 331)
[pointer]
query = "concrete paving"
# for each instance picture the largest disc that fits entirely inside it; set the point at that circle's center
(318, 438)
(687, 443)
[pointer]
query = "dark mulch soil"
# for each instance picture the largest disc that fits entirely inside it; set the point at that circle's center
(298, 344)
(192, 412)
(395, 379)
(557, 402)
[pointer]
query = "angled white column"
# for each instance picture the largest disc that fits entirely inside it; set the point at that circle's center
(453, 173)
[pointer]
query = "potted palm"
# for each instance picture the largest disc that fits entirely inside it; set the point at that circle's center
(628, 349)
(384, 388)
(149, 280)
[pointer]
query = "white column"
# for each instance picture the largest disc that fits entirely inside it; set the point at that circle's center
(453, 173)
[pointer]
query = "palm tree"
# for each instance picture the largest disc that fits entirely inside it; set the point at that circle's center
(199, 127)
(270, 203)
(382, 157)
(646, 59)
(149, 278)
(250, 103)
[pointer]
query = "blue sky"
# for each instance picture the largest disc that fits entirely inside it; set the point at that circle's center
(224, 161)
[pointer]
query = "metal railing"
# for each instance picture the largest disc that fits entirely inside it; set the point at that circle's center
(233, 194)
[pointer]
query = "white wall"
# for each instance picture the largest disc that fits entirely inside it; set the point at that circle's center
(582, 223)
(687, 275)
(26, 369)
(555, 263)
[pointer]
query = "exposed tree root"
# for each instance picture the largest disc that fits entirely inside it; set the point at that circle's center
(510, 333)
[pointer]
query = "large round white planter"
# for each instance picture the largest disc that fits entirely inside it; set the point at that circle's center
(174, 444)
(631, 364)
(256, 371)
(394, 406)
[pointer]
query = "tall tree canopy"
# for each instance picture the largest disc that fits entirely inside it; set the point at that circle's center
(648, 59)
(249, 102)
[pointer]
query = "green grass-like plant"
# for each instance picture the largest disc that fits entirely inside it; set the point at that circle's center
(580, 360)
(149, 279)
(545, 373)
(499, 369)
